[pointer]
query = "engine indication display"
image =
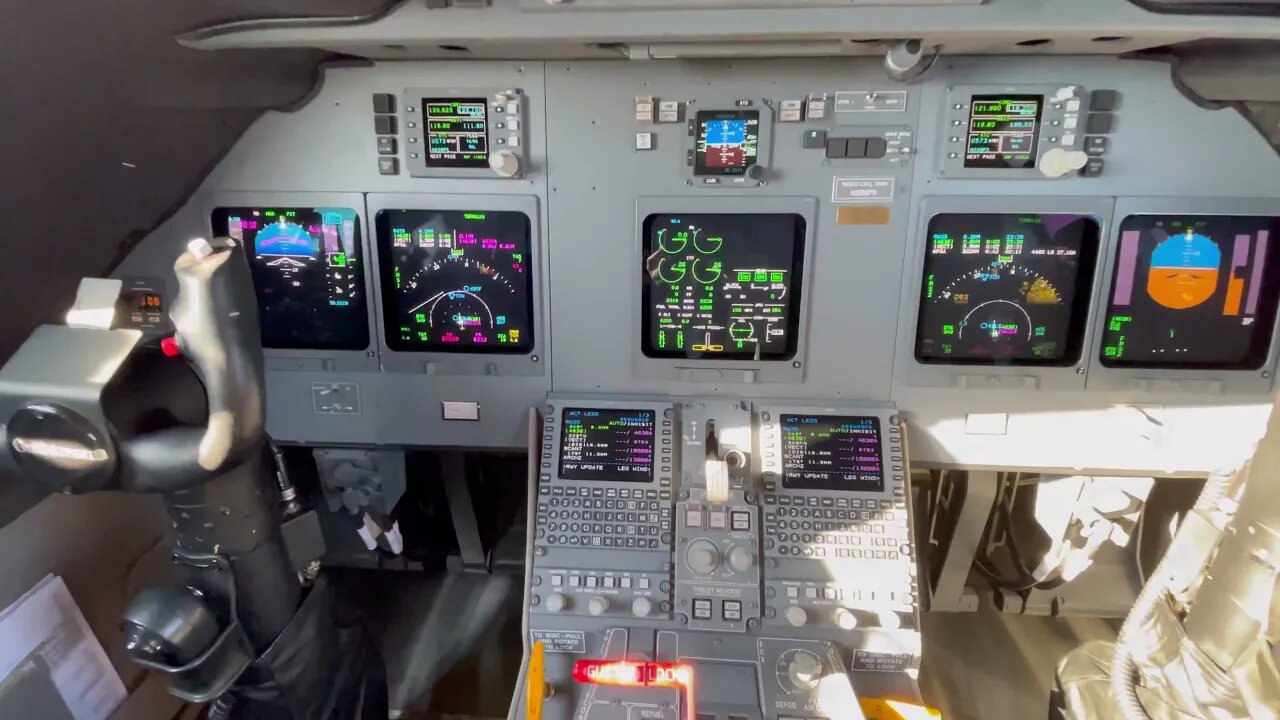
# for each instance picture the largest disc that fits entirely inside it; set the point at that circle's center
(307, 273)
(615, 445)
(456, 281)
(1193, 291)
(1006, 289)
(728, 141)
(831, 452)
(722, 286)
(456, 132)
(1003, 132)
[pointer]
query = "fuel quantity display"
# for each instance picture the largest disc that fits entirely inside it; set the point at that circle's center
(1005, 288)
(1193, 291)
(722, 286)
(456, 281)
(307, 274)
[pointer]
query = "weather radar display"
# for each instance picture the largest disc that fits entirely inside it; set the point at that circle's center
(1006, 289)
(456, 281)
(1192, 291)
(307, 273)
(722, 286)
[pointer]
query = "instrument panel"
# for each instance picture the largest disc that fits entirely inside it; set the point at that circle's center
(979, 248)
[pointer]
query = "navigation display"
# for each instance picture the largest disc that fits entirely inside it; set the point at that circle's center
(722, 286)
(456, 132)
(1006, 288)
(1003, 131)
(614, 445)
(831, 452)
(1193, 291)
(728, 141)
(456, 280)
(307, 273)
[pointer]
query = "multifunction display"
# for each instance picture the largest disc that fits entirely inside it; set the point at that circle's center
(615, 445)
(307, 272)
(456, 132)
(1003, 131)
(832, 452)
(1005, 288)
(456, 280)
(728, 141)
(1193, 291)
(722, 286)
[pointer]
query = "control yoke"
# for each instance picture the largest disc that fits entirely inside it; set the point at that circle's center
(224, 348)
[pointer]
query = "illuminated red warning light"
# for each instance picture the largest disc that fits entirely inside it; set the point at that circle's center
(633, 674)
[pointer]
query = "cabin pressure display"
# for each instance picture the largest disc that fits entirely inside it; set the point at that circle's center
(1003, 131)
(456, 281)
(722, 286)
(456, 132)
(1007, 289)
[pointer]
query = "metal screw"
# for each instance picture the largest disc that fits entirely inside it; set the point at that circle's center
(533, 358)
(795, 364)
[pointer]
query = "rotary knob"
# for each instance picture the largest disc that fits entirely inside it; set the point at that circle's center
(804, 671)
(741, 559)
(844, 619)
(641, 607)
(505, 163)
(1057, 162)
(598, 605)
(702, 557)
(556, 603)
(796, 615)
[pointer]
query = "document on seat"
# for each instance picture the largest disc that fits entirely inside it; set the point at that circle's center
(46, 622)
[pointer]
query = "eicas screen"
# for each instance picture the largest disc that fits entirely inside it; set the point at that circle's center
(612, 445)
(830, 452)
(722, 286)
(307, 272)
(1193, 291)
(1005, 288)
(728, 141)
(456, 280)
(1004, 131)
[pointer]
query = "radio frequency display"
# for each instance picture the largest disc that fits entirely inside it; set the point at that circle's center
(722, 286)
(612, 445)
(831, 452)
(456, 281)
(306, 272)
(1003, 131)
(1004, 288)
(1193, 291)
(728, 141)
(456, 132)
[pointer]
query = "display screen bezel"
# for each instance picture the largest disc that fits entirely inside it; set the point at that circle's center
(792, 482)
(1081, 301)
(1261, 349)
(1003, 161)
(387, 289)
(701, 118)
(578, 474)
(793, 327)
(427, 133)
(219, 219)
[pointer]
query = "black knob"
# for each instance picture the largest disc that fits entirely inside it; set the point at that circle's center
(755, 172)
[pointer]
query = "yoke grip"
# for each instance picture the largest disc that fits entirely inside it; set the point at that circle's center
(219, 334)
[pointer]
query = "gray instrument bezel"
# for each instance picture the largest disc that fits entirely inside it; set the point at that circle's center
(986, 377)
(1194, 381)
(962, 95)
(791, 370)
(764, 145)
(365, 360)
(532, 363)
(411, 111)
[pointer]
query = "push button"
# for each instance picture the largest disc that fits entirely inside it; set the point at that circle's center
(701, 609)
